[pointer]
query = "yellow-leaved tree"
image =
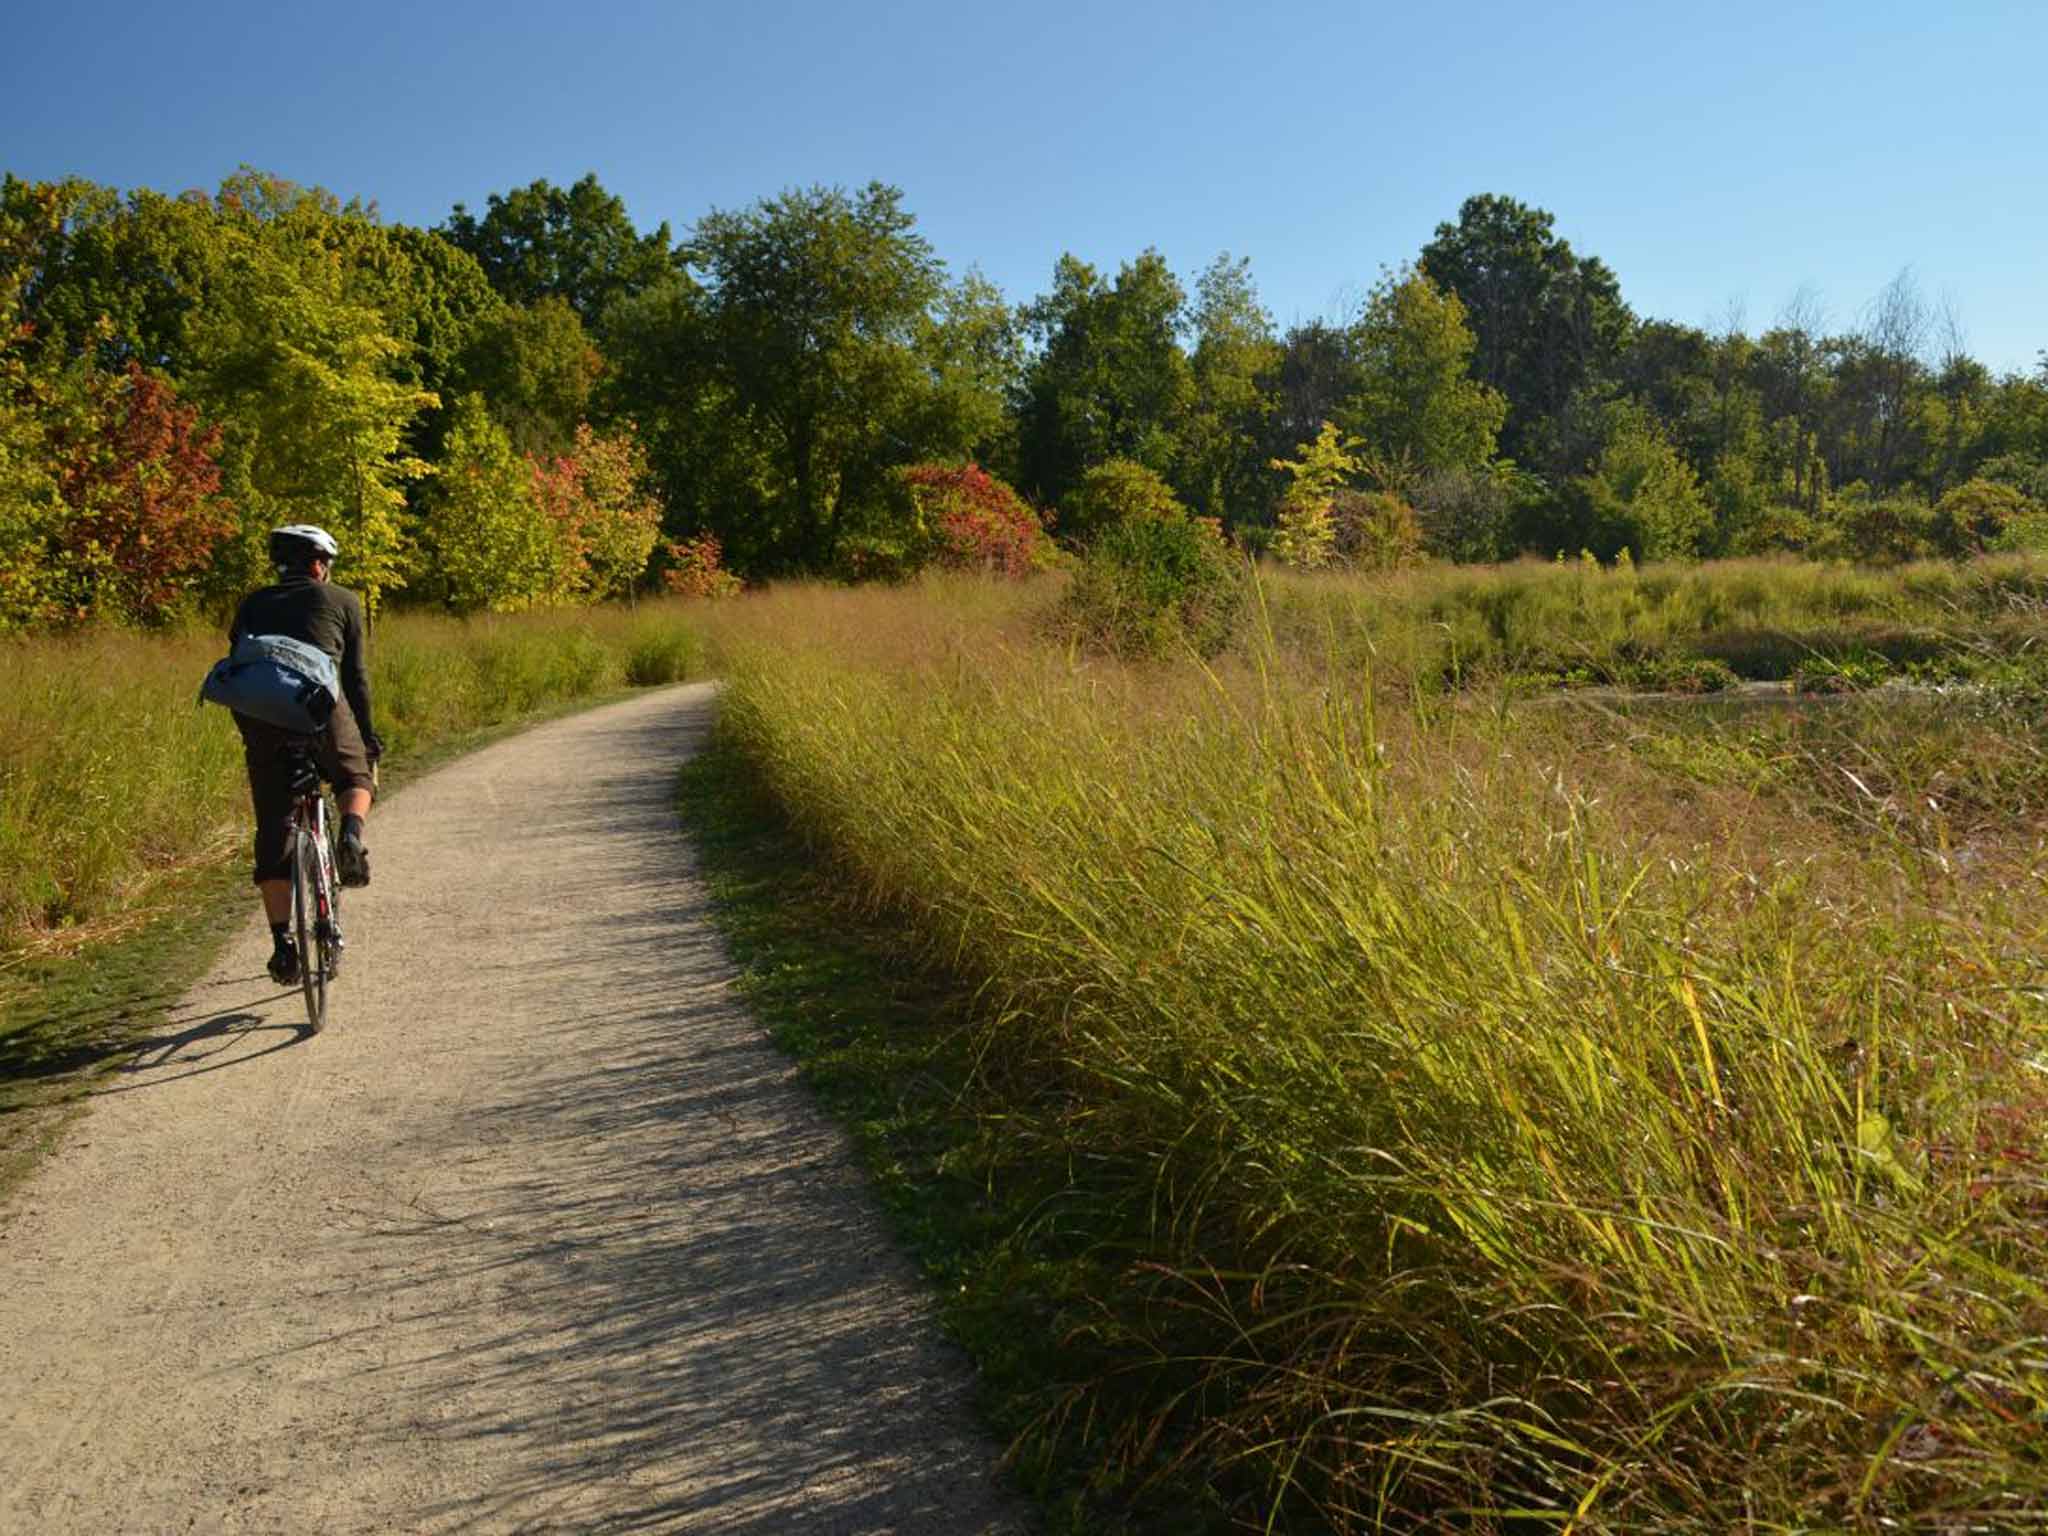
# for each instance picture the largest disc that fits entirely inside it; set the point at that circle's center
(306, 380)
(483, 540)
(1307, 533)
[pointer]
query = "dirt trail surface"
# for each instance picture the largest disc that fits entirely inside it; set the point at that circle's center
(539, 1235)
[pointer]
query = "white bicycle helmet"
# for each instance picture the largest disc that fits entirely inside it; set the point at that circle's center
(300, 544)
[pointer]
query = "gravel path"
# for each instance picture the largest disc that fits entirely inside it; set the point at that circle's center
(539, 1235)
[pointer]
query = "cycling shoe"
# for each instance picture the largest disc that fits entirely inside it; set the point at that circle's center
(353, 860)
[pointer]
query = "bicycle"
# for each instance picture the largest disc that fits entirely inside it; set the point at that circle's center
(316, 892)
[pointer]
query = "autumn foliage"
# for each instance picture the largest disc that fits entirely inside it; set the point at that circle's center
(968, 520)
(137, 476)
(696, 568)
(605, 523)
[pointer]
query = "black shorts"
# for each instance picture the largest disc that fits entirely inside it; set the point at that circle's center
(338, 752)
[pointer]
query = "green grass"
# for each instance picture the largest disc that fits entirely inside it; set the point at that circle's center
(1487, 1115)
(1575, 624)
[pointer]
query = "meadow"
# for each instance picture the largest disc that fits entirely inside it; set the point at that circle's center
(1483, 1110)
(1431, 1094)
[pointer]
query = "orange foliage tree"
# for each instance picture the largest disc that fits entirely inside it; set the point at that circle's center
(138, 475)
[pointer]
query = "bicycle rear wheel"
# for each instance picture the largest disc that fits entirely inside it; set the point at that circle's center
(309, 924)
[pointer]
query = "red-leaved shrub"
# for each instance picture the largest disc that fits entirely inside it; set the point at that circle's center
(695, 568)
(970, 520)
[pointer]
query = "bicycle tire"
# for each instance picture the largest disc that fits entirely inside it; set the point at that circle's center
(307, 925)
(329, 931)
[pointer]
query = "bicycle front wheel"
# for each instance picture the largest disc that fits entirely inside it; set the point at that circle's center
(308, 925)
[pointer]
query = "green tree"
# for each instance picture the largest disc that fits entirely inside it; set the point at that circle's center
(1219, 467)
(2016, 432)
(1548, 322)
(974, 352)
(305, 385)
(484, 540)
(30, 506)
(1107, 378)
(537, 367)
(706, 453)
(434, 298)
(30, 513)
(822, 340)
(1642, 496)
(107, 280)
(1307, 532)
(1417, 409)
(1317, 371)
(575, 243)
(271, 307)
(1787, 371)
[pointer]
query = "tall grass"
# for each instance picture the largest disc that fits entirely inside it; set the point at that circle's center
(111, 774)
(1524, 1117)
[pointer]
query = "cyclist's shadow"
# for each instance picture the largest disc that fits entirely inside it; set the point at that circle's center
(229, 1038)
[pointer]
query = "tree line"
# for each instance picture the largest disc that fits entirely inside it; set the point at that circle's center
(543, 403)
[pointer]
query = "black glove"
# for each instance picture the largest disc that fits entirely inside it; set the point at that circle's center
(373, 744)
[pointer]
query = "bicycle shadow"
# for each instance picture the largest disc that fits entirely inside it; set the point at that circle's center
(211, 1044)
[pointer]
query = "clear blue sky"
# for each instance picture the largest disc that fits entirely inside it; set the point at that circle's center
(1717, 158)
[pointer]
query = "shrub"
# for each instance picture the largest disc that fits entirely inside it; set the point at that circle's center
(1841, 674)
(1375, 530)
(966, 519)
(2026, 534)
(1119, 491)
(1148, 586)
(1642, 495)
(1468, 514)
(1681, 674)
(606, 524)
(1776, 529)
(660, 653)
(138, 474)
(695, 569)
(485, 541)
(865, 557)
(1972, 518)
(1883, 530)
(2023, 472)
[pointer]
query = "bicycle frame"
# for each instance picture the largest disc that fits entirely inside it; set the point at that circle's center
(316, 892)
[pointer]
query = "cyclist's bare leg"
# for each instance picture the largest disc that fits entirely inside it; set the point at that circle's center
(277, 900)
(354, 802)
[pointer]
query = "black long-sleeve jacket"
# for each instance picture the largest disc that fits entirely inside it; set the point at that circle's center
(318, 613)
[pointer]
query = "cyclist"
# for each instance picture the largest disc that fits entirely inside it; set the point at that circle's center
(305, 606)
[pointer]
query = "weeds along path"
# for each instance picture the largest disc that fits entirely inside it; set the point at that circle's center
(540, 1234)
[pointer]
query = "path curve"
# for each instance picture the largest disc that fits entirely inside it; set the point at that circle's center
(539, 1235)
